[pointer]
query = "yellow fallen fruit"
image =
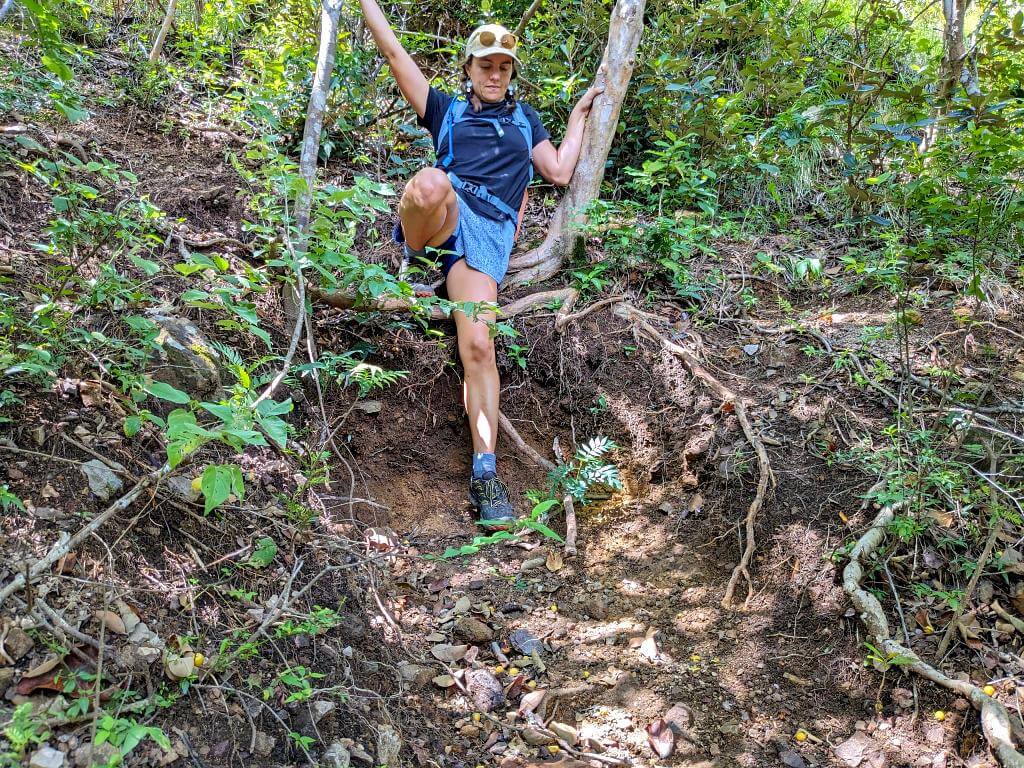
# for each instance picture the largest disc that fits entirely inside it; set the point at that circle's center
(695, 658)
(939, 715)
(586, 673)
(199, 659)
(513, 671)
(499, 669)
(990, 690)
(800, 735)
(197, 484)
(554, 749)
(476, 717)
(531, 684)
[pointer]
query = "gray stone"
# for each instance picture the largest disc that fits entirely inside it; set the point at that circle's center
(102, 480)
(181, 486)
(88, 755)
(264, 745)
(18, 643)
(389, 745)
(337, 756)
(46, 757)
(472, 630)
(485, 689)
(792, 759)
(185, 359)
(6, 677)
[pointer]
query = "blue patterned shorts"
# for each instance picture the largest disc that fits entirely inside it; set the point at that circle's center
(485, 243)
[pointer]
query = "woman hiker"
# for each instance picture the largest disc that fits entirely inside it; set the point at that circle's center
(468, 207)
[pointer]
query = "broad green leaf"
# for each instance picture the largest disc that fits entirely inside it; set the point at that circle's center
(58, 67)
(277, 429)
(132, 425)
(272, 408)
(265, 552)
(166, 392)
(220, 481)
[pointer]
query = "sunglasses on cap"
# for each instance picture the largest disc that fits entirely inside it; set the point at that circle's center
(488, 38)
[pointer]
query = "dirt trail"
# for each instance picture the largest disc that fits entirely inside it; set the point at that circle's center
(632, 628)
(737, 685)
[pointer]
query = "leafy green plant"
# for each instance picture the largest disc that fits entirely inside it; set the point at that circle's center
(126, 734)
(9, 499)
(318, 621)
(298, 681)
(587, 469)
(24, 729)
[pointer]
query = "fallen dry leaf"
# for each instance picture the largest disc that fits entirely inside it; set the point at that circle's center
(661, 738)
(531, 700)
(444, 681)
(449, 653)
(111, 621)
(44, 666)
(180, 667)
(554, 561)
(649, 646)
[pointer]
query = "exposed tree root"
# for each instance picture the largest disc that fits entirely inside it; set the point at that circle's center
(728, 397)
(522, 445)
(346, 300)
(995, 721)
(563, 319)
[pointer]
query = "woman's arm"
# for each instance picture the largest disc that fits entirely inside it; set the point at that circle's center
(410, 79)
(557, 165)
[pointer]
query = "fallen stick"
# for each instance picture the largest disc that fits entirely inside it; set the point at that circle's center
(726, 395)
(570, 525)
(524, 448)
(66, 543)
(995, 721)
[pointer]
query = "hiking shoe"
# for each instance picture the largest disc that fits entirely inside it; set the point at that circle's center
(490, 497)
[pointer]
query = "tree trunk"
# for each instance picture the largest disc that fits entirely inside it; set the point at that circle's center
(158, 44)
(5, 8)
(330, 15)
(954, 54)
(617, 68)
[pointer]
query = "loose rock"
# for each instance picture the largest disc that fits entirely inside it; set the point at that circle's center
(337, 756)
(46, 757)
(389, 745)
(102, 480)
(18, 643)
(485, 689)
(472, 630)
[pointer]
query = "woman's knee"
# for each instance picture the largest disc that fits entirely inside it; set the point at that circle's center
(476, 348)
(428, 189)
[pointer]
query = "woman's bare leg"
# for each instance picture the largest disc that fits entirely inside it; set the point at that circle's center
(481, 384)
(429, 209)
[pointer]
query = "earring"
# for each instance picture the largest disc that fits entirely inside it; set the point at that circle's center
(469, 86)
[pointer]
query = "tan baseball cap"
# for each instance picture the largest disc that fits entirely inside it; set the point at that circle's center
(492, 38)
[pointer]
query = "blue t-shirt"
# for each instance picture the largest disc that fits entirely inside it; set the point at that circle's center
(501, 163)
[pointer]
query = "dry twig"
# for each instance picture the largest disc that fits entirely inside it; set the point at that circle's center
(995, 721)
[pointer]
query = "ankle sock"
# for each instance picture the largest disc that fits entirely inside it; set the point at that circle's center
(484, 463)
